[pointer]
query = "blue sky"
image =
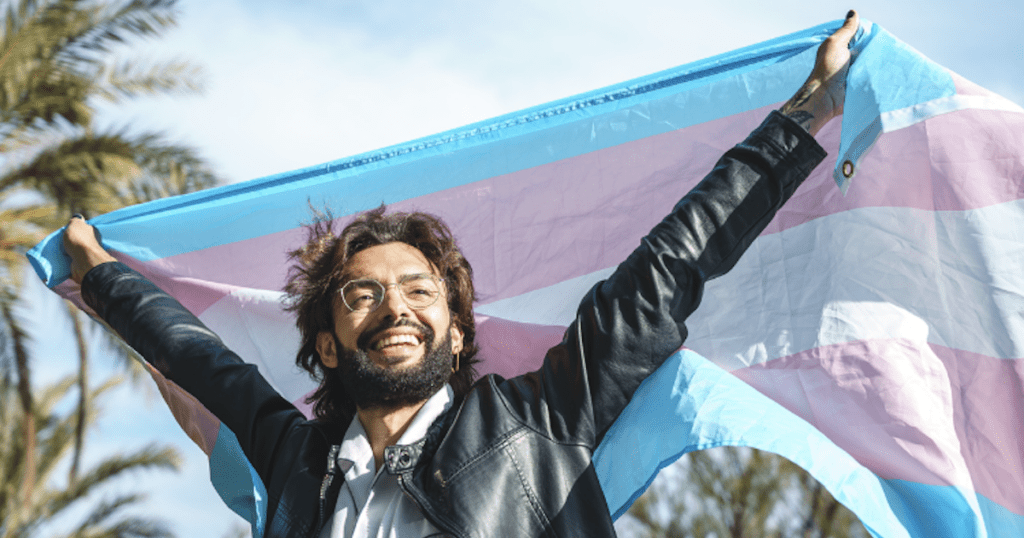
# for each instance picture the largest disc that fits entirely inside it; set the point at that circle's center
(290, 85)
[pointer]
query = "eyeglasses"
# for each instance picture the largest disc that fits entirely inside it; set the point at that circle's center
(418, 291)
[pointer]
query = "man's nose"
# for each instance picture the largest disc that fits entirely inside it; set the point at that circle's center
(393, 303)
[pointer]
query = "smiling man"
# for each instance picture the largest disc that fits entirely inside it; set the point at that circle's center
(404, 442)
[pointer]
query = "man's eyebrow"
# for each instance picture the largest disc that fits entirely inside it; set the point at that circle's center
(348, 277)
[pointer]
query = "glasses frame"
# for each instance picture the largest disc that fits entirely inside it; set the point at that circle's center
(397, 285)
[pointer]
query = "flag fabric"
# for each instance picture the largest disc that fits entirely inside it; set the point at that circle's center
(874, 338)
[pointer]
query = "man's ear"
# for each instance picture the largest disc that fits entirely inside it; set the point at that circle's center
(457, 338)
(326, 347)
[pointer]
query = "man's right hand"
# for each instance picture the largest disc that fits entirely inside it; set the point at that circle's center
(81, 246)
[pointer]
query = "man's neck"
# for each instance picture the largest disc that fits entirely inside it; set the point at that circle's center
(385, 426)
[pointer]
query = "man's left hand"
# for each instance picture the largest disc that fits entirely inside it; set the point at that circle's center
(821, 97)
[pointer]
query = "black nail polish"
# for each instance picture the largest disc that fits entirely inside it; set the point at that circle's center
(849, 14)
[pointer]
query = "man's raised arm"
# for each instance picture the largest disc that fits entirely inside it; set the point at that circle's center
(629, 324)
(183, 349)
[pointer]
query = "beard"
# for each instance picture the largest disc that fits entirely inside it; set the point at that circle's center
(369, 386)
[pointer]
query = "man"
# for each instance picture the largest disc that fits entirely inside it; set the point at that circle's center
(402, 444)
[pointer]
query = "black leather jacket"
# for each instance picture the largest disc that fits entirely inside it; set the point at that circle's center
(512, 458)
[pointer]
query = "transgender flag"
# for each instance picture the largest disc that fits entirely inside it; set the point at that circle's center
(876, 338)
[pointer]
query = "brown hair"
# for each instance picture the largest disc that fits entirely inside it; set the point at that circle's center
(315, 277)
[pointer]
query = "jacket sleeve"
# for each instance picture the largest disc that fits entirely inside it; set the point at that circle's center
(186, 352)
(627, 325)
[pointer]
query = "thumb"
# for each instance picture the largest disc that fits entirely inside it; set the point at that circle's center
(849, 28)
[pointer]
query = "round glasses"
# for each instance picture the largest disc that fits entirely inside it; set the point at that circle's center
(418, 291)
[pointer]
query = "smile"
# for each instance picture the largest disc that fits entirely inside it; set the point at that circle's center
(397, 339)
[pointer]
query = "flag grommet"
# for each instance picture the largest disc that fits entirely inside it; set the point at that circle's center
(847, 169)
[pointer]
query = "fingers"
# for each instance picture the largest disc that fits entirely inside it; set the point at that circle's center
(82, 245)
(77, 234)
(835, 49)
(846, 32)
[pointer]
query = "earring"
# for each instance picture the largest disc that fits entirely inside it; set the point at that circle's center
(456, 367)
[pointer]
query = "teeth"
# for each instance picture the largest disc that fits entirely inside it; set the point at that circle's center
(397, 339)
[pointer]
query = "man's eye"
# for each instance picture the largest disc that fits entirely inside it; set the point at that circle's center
(360, 297)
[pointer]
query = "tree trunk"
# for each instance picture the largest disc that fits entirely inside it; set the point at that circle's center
(83, 390)
(23, 373)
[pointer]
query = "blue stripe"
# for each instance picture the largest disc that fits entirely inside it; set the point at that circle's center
(731, 83)
(236, 481)
(946, 511)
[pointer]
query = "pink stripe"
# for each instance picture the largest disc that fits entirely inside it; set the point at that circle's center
(954, 162)
(582, 214)
(966, 87)
(70, 291)
(509, 348)
(303, 407)
(200, 424)
(195, 295)
(932, 415)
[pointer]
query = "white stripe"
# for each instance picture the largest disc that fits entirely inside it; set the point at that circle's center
(253, 324)
(552, 305)
(905, 117)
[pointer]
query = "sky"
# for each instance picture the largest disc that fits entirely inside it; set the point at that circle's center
(294, 84)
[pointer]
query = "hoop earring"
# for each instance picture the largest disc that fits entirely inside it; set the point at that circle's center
(456, 367)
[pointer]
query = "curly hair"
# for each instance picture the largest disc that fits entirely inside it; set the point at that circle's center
(315, 277)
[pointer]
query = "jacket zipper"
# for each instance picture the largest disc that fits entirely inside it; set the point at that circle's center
(332, 462)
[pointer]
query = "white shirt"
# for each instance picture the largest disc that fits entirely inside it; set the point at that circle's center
(370, 503)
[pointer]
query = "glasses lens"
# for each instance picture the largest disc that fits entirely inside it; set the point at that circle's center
(420, 291)
(362, 295)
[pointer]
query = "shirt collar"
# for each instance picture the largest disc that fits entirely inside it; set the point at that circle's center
(355, 448)
(435, 406)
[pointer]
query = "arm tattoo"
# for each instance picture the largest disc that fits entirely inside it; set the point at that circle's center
(803, 118)
(800, 98)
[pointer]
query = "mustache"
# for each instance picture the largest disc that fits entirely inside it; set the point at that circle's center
(364, 339)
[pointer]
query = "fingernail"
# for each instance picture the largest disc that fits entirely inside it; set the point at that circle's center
(77, 216)
(851, 13)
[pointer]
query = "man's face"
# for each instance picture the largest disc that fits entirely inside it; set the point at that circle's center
(390, 345)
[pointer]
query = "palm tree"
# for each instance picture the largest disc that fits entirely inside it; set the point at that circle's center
(21, 517)
(58, 60)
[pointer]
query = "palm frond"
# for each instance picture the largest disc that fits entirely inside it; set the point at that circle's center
(19, 517)
(132, 527)
(109, 170)
(115, 25)
(149, 457)
(55, 55)
(128, 80)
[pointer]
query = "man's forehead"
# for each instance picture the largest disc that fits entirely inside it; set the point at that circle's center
(387, 260)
